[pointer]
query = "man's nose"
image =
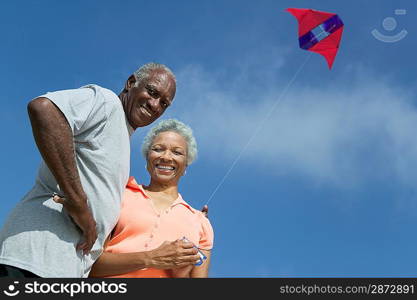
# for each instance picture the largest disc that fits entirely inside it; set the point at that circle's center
(154, 104)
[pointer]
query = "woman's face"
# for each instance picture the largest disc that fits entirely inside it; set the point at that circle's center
(167, 158)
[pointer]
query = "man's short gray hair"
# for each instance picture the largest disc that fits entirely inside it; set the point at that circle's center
(176, 126)
(144, 71)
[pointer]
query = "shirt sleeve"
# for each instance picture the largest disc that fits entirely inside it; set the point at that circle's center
(206, 235)
(81, 107)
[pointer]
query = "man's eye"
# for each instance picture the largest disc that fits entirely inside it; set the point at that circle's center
(152, 92)
(157, 149)
(178, 152)
(164, 104)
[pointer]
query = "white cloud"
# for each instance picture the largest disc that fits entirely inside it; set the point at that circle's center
(351, 132)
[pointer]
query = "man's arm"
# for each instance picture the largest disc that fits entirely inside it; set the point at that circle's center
(55, 142)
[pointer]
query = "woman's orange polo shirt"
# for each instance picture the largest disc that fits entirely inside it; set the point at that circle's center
(142, 228)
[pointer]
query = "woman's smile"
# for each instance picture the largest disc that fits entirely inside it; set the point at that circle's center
(165, 169)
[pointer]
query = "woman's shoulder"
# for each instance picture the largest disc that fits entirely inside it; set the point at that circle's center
(199, 214)
(132, 191)
(201, 217)
(132, 184)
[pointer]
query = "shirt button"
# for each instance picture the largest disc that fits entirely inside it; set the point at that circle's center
(151, 235)
(146, 245)
(159, 215)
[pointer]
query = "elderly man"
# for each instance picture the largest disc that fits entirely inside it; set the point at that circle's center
(83, 137)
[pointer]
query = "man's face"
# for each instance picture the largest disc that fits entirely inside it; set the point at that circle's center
(148, 101)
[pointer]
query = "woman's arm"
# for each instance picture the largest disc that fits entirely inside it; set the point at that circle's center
(202, 270)
(109, 264)
(169, 255)
(194, 271)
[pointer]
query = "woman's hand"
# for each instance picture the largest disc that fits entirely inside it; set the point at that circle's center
(173, 255)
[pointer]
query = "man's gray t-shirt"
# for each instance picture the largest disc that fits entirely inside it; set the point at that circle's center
(39, 235)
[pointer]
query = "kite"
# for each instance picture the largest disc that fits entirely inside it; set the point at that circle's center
(319, 32)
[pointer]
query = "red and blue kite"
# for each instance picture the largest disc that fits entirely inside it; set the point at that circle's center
(319, 32)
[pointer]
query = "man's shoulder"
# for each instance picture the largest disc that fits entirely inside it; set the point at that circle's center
(107, 93)
(107, 96)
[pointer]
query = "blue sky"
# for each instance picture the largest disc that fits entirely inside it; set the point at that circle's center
(326, 185)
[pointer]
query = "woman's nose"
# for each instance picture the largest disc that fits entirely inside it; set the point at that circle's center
(166, 155)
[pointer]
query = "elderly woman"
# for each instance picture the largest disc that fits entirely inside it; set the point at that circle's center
(148, 238)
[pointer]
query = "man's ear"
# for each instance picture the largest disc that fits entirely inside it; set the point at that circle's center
(130, 82)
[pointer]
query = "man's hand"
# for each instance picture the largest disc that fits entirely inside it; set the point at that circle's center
(81, 215)
(205, 210)
(173, 255)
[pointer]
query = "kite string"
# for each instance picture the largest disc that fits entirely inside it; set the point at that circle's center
(260, 125)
